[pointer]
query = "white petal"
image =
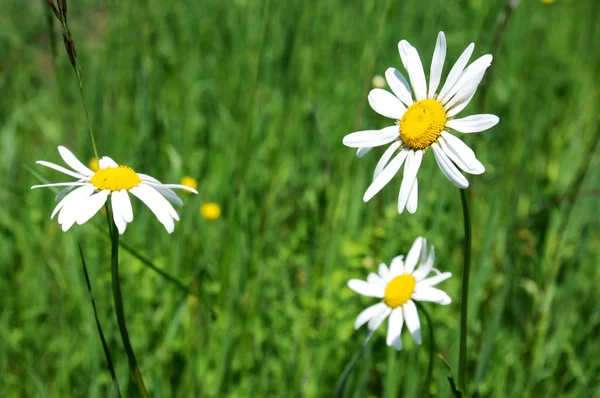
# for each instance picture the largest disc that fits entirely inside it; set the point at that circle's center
(474, 123)
(413, 198)
(176, 186)
(168, 194)
(121, 199)
(365, 288)
(160, 187)
(411, 317)
(372, 138)
(155, 203)
(91, 206)
(403, 47)
(459, 107)
(385, 176)
(377, 320)
(460, 154)
(386, 104)
(160, 199)
(437, 64)
(62, 170)
(60, 184)
(449, 169)
(399, 85)
(376, 280)
(416, 74)
(412, 258)
(384, 272)
(456, 71)
(367, 314)
(395, 328)
(434, 280)
(117, 208)
(64, 192)
(105, 163)
(397, 266)
(463, 97)
(73, 162)
(413, 162)
(467, 78)
(146, 177)
(360, 152)
(431, 294)
(425, 267)
(385, 158)
(77, 195)
(71, 209)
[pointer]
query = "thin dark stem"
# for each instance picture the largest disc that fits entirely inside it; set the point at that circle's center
(118, 300)
(87, 115)
(165, 275)
(431, 350)
(339, 389)
(60, 11)
(464, 302)
(109, 361)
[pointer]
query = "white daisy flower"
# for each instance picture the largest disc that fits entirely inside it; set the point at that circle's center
(424, 117)
(84, 197)
(399, 286)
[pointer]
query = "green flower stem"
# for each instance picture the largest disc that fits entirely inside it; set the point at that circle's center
(118, 300)
(464, 302)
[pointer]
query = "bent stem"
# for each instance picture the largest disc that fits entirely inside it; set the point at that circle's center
(462, 361)
(118, 300)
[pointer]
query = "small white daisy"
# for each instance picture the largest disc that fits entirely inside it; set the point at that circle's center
(92, 189)
(399, 287)
(424, 118)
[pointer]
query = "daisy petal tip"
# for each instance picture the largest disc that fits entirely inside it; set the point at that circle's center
(352, 283)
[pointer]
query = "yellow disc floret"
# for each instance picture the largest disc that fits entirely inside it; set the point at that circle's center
(422, 124)
(115, 178)
(399, 290)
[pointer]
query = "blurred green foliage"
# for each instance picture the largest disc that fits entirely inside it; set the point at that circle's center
(252, 98)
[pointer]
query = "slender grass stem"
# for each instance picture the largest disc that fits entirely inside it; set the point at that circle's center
(431, 350)
(339, 389)
(109, 361)
(60, 11)
(118, 300)
(87, 115)
(464, 302)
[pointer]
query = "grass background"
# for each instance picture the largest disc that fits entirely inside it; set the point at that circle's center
(252, 98)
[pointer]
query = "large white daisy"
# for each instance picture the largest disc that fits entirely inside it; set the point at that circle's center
(399, 286)
(424, 118)
(83, 198)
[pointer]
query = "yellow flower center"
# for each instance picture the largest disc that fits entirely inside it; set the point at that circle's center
(115, 178)
(422, 124)
(399, 290)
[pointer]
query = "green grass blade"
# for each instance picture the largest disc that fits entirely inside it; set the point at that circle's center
(109, 362)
